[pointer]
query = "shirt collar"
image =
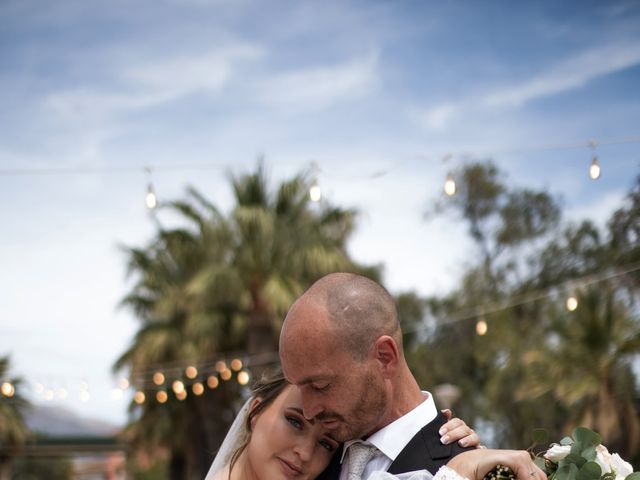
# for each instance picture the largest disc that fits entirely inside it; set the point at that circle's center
(391, 439)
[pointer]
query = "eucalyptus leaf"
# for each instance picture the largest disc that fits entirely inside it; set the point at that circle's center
(589, 471)
(566, 441)
(589, 453)
(567, 472)
(586, 436)
(633, 476)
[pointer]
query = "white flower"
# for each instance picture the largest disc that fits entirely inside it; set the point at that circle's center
(621, 467)
(557, 452)
(603, 458)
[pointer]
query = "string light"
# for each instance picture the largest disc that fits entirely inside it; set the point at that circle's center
(191, 372)
(158, 378)
(177, 387)
(48, 395)
(594, 169)
(450, 186)
(139, 397)
(116, 394)
(123, 383)
(197, 389)
(7, 389)
(181, 395)
(481, 327)
(225, 375)
(213, 382)
(221, 366)
(315, 193)
(572, 303)
(162, 396)
(236, 364)
(243, 377)
(150, 198)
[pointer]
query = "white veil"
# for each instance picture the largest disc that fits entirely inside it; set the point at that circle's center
(235, 437)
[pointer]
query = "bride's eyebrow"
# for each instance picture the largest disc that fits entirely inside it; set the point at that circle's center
(301, 413)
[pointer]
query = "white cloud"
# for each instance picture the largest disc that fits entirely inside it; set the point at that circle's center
(573, 73)
(157, 82)
(321, 86)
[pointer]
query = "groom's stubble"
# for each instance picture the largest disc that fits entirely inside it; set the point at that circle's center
(362, 420)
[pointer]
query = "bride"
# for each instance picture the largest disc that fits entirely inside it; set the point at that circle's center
(271, 439)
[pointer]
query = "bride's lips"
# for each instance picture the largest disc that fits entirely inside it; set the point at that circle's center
(289, 469)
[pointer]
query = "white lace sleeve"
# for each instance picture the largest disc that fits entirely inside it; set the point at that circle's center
(446, 473)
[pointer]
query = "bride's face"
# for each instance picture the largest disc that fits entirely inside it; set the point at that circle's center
(284, 445)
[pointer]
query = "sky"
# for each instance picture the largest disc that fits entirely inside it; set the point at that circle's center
(383, 97)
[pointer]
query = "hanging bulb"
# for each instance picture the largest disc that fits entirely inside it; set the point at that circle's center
(481, 327)
(450, 186)
(572, 303)
(7, 389)
(158, 378)
(191, 372)
(315, 193)
(150, 199)
(178, 387)
(139, 397)
(243, 377)
(197, 388)
(594, 168)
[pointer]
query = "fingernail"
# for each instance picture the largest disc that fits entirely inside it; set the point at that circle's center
(442, 431)
(462, 443)
(445, 439)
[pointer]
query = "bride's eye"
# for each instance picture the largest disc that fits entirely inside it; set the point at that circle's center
(294, 422)
(327, 445)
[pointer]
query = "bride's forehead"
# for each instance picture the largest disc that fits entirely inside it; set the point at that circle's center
(290, 397)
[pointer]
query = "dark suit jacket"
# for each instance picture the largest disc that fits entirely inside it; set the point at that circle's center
(423, 452)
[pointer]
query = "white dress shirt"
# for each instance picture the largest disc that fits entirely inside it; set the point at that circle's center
(392, 439)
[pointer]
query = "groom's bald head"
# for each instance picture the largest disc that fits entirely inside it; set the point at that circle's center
(350, 309)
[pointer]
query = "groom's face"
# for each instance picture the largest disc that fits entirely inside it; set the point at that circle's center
(347, 396)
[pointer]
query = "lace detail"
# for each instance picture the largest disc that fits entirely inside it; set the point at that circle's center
(445, 473)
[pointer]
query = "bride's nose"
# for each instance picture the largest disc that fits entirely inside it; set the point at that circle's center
(304, 447)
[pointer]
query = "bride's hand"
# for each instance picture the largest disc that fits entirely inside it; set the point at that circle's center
(475, 464)
(456, 429)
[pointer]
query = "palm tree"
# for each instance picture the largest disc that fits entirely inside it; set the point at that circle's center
(221, 285)
(13, 430)
(586, 365)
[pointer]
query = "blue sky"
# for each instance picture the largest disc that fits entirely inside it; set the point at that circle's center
(195, 88)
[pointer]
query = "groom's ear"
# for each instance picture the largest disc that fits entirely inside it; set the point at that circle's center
(387, 354)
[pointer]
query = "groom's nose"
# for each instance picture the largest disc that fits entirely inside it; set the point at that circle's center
(310, 407)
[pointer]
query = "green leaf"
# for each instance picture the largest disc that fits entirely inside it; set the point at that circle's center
(586, 436)
(566, 441)
(542, 465)
(567, 472)
(589, 471)
(573, 459)
(589, 453)
(540, 435)
(633, 476)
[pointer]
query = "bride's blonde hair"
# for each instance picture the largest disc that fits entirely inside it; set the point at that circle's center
(267, 390)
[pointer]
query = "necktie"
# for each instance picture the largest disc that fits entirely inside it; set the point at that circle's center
(359, 456)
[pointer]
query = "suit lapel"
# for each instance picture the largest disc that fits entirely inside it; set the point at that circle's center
(424, 451)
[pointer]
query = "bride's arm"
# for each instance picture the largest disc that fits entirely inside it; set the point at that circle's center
(475, 464)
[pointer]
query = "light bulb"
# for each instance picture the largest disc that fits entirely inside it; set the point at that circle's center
(182, 395)
(594, 169)
(236, 364)
(191, 372)
(48, 395)
(158, 378)
(572, 303)
(178, 387)
(221, 366)
(243, 377)
(139, 397)
(150, 198)
(481, 327)
(213, 382)
(123, 383)
(7, 389)
(161, 396)
(225, 374)
(450, 186)
(315, 194)
(197, 388)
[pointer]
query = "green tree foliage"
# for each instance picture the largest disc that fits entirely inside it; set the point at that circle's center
(219, 285)
(13, 430)
(538, 365)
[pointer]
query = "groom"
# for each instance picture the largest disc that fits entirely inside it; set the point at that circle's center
(341, 344)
